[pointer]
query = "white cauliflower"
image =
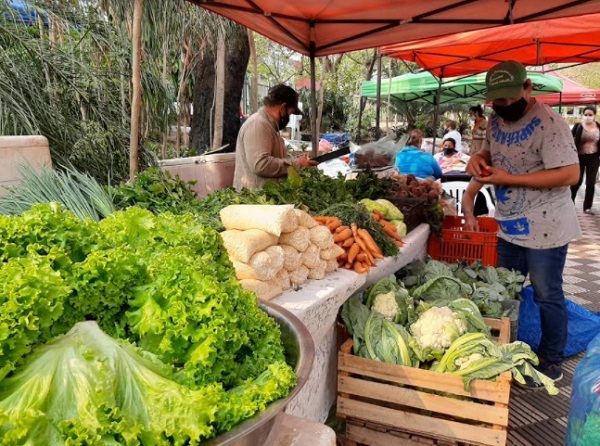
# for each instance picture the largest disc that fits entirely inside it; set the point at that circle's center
(438, 328)
(386, 305)
(464, 362)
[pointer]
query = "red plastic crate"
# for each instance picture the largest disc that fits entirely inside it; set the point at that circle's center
(457, 244)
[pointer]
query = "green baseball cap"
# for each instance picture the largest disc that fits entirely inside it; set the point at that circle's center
(505, 80)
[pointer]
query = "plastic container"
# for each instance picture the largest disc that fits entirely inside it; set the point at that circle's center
(413, 210)
(584, 416)
(458, 244)
(211, 172)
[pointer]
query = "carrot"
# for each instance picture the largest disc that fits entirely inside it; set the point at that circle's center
(322, 220)
(347, 233)
(348, 242)
(359, 267)
(348, 265)
(392, 233)
(369, 242)
(352, 252)
(378, 213)
(370, 258)
(343, 256)
(376, 217)
(399, 243)
(361, 257)
(340, 229)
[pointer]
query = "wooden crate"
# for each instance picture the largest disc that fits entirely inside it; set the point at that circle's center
(387, 405)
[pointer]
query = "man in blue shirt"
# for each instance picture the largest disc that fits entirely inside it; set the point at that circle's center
(411, 159)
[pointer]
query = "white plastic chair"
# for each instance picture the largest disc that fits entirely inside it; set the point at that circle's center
(456, 189)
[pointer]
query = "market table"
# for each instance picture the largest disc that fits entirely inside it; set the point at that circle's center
(317, 305)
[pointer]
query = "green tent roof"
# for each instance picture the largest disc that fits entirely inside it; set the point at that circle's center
(423, 87)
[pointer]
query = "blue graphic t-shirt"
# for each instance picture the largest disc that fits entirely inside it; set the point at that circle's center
(533, 218)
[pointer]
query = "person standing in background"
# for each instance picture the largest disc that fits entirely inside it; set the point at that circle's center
(587, 141)
(451, 132)
(260, 151)
(479, 128)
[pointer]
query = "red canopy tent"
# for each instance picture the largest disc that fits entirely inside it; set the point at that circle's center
(570, 39)
(572, 94)
(318, 27)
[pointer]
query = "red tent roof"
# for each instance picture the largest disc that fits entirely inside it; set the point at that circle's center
(572, 94)
(571, 39)
(337, 26)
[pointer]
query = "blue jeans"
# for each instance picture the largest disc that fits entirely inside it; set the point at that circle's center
(545, 268)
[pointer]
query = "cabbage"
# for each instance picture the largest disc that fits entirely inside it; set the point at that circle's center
(86, 388)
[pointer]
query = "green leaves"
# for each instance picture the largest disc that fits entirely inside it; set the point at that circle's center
(164, 282)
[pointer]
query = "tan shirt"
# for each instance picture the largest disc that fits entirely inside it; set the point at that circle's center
(260, 153)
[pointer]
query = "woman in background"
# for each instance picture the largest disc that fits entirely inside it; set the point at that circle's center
(479, 128)
(587, 140)
(411, 159)
(451, 159)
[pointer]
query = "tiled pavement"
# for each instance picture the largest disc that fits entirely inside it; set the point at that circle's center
(537, 419)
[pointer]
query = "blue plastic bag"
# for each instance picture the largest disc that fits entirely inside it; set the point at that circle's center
(584, 325)
(584, 416)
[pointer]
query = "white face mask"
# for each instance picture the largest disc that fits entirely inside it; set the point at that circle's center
(588, 119)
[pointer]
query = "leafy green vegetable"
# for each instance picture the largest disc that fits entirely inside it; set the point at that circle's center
(441, 288)
(403, 304)
(164, 281)
(87, 388)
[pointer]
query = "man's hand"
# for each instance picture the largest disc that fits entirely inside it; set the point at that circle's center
(305, 162)
(479, 164)
(471, 223)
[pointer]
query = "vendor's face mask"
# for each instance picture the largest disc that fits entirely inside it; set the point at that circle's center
(283, 120)
(449, 151)
(588, 118)
(512, 112)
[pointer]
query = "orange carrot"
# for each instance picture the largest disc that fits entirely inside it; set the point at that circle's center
(376, 217)
(359, 267)
(345, 234)
(369, 242)
(361, 257)
(340, 229)
(353, 252)
(378, 213)
(348, 242)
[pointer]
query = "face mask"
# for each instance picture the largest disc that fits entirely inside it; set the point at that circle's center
(512, 112)
(283, 121)
(588, 119)
(449, 151)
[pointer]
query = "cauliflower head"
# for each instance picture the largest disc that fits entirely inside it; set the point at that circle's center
(438, 328)
(386, 305)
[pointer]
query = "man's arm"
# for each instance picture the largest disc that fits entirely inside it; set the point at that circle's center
(468, 204)
(542, 179)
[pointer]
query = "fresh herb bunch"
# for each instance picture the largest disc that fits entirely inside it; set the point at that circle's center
(158, 192)
(357, 213)
(368, 185)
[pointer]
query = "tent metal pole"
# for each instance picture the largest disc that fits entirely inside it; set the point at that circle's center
(378, 105)
(560, 102)
(313, 95)
(436, 112)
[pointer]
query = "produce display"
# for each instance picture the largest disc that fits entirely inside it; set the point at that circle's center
(397, 327)
(204, 350)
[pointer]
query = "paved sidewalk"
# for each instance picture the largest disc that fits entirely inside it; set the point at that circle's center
(537, 419)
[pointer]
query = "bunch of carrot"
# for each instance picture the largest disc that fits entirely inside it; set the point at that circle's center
(360, 250)
(389, 228)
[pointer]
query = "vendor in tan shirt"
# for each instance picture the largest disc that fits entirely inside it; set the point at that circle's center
(260, 151)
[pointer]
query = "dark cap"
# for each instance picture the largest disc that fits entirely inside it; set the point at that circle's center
(505, 80)
(283, 94)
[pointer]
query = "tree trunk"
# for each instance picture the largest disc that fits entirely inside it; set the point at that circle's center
(236, 63)
(219, 91)
(136, 77)
(254, 84)
(321, 98)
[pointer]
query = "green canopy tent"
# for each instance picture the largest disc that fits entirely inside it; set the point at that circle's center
(425, 87)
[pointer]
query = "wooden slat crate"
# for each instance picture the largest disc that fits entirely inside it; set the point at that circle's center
(387, 405)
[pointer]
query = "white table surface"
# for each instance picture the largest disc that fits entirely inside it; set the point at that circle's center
(317, 304)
